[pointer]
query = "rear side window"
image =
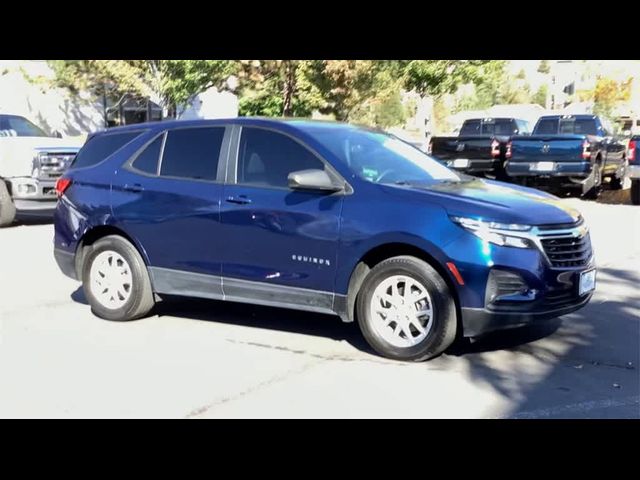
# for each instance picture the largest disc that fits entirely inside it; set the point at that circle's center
(499, 127)
(547, 127)
(470, 127)
(147, 160)
(192, 153)
(100, 147)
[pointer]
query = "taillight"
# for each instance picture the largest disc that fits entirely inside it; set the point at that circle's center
(508, 152)
(631, 153)
(495, 148)
(61, 185)
(586, 146)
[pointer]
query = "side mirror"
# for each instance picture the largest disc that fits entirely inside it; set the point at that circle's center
(313, 179)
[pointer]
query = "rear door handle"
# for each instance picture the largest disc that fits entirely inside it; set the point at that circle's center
(135, 187)
(240, 200)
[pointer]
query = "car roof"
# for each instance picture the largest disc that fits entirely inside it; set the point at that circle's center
(580, 116)
(277, 123)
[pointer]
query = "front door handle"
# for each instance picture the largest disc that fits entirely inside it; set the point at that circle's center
(240, 200)
(134, 187)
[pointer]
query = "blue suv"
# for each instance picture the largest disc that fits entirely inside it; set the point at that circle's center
(316, 216)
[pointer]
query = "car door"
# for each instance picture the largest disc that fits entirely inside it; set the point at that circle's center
(167, 197)
(280, 244)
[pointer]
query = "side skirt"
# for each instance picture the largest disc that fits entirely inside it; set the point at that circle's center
(177, 282)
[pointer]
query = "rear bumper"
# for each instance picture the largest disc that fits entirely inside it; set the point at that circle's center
(474, 165)
(477, 321)
(66, 262)
(634, 171)
(560, 169)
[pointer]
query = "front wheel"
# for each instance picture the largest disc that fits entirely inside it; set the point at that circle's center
(7, 207)
(115, 280)
(405, 310)
(635, 192)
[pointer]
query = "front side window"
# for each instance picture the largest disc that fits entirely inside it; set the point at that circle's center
(266, 158)
(381, 158)
(192, 153)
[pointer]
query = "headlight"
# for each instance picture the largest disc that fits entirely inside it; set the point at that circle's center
(496, 233)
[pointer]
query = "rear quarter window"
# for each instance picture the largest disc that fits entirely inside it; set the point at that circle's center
(100, 147)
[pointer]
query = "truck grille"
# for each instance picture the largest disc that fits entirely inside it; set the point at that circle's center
(568, 251)
(51, 165)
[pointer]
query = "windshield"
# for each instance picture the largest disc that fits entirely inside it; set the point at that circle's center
(381, 158)
(14, 126)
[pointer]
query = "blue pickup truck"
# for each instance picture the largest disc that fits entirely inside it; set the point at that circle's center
(568, 152)
(315, 216)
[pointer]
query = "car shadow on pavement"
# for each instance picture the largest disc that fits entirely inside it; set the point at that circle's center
(272, 318)
(584, 364)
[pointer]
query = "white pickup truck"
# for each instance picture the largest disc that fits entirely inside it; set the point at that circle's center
(30, 163)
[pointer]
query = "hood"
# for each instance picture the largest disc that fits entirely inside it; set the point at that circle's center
(16, 153)
(496, 201)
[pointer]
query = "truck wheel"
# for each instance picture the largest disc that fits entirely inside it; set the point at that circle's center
(115, 280)
(405, 310)
(596, 190)
(635, 192)
(7, 208)
(617, 181)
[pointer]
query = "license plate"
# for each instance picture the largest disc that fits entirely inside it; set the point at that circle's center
(459, 163)
(587, 282)
(543, 166)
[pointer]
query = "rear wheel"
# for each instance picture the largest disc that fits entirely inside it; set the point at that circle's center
(405, 310)
(596, 190)
(7, 208)
(617, 181)
(635, 192)
(115, 280)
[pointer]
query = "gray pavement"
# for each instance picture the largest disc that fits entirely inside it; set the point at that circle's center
(201, 359)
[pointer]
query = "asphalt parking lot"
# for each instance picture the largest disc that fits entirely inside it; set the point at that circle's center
(201, 359)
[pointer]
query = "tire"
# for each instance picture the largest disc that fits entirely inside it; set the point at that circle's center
(7, 208)
(617, 183)
(596, 190)
(439, 329)
(136, 301)
(635, 192)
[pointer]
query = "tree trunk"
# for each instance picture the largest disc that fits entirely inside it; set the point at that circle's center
(289, 87)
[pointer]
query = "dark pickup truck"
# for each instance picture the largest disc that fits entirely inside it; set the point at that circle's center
(633, 157)
(480, 148)
(568, 152)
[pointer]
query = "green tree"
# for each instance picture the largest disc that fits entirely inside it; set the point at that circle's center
(544, 66)
(169, 83)
(608, 93)
(540, 97)
(277, 88)
(437, 77)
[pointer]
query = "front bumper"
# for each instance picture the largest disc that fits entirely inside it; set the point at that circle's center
(33, 196)
(477, 321)
(634, 171)
(559, 169)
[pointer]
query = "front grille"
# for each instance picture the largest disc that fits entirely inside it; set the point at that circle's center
(50, 166)
(568, 251)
